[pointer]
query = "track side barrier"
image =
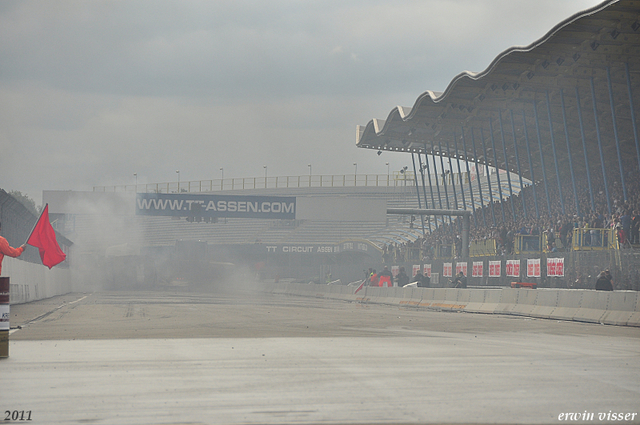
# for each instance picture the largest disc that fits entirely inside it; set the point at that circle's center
(491, 301)
(432, 297)
(568, 304)
(476, 299)
(621, 308)
(464, 297)
(525, 302)
(334, 292)
(411, 297)
(428, 295)
(347, 293)
(634, 320)
(592, 306)
(508, 301)
(375, 295)
(546, 303)
(449, 302)
(396, 295)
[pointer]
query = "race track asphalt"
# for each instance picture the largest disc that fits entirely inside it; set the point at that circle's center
(166, 357)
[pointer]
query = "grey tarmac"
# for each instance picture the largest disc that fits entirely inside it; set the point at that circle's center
(245, 357)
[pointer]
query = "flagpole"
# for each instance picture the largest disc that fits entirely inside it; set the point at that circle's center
(36, 223)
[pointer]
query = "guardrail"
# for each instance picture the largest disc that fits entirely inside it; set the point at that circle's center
(585, 239)
(396, 179)
(483, 248)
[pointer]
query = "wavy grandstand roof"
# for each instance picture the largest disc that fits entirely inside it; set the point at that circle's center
(549, 86)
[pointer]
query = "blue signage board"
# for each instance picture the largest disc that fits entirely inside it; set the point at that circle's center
(216, 206)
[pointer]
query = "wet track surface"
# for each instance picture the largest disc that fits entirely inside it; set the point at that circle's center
(174, 358)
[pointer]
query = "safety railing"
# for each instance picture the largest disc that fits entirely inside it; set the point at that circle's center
(345, 180)
(487, 247)
(523, 244)
(586, 239)
(444, 251)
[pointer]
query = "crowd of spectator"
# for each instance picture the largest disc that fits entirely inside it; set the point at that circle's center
(536, 210)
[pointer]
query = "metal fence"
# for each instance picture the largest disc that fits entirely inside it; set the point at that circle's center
(395, 179)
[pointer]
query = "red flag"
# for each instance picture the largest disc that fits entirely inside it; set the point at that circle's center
(361, 285)
(43, 237)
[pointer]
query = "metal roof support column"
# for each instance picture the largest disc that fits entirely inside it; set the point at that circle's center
(453, 180)
(515, 146)
(426, 163)
(544, 172)
(424, 189)
(475, 158)
(444, 180)
(604, 170)
(506, 165)
(615, 134)
(435, 170)
(533, 179)
(555, 154)
(584, 150)
(566, 136)
(466, 225)
(455, 147)
(633, 115)
(495, 163)
(486, 168)
(415, 177)
(473, 202)
(444, 184)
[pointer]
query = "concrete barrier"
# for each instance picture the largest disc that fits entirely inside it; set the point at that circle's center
(621, 307)
(396, 295)
(525, 302)
(476, 299)
(411, 297)
(491, 301)
(508, 300)
(568, 304)
(427, 295)
(546, 303)
(375, 294)
(634, 320)
(593, 306)
(464, 297)
(32, 282)
(614, 308)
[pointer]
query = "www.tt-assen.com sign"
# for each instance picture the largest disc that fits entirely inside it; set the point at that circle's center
(185, 205)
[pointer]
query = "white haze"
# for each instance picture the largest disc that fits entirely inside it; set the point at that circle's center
(93, 92)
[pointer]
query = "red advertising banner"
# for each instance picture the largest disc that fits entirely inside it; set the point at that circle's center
(461, 267)
(513, 268)
(495, 268)
(478, 269)
(555, 267)
(427, 270)
(416, 269)
(395, 270)
(533, 267)
(447, 269)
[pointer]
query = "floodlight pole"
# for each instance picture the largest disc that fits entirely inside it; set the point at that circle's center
(466, 221)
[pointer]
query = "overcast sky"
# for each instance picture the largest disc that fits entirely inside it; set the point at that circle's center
(92, 92)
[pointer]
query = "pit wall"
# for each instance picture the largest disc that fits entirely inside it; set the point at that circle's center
(32, 282)
(620, 308)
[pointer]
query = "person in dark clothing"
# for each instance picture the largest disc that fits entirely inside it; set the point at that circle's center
(604, 282)
(460, 281)
(402, 278)
(422, 281)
